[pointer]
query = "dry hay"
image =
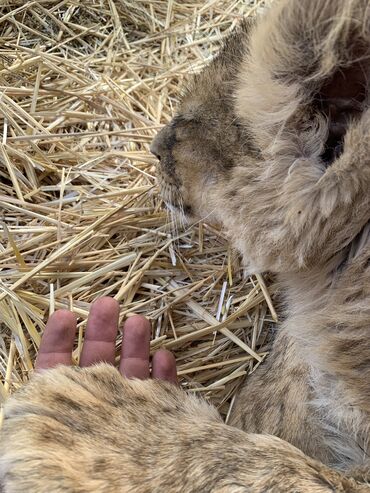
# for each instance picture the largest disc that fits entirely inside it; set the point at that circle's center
(84, 87)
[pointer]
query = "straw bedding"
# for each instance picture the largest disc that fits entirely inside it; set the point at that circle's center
(84, 87)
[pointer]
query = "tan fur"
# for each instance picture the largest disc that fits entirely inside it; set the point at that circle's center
(91, 430)
(271, 141)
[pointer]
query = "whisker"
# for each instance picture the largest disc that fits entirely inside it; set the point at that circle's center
(201, 219)
(182, 214)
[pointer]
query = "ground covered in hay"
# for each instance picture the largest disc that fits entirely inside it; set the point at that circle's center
(84, 87)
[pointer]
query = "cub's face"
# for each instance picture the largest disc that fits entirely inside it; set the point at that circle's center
(202, 144)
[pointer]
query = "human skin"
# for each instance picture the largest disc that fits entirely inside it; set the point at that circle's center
(99, 345)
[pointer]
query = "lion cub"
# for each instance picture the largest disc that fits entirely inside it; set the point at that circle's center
(271, 141)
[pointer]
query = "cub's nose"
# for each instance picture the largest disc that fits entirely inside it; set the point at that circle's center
(163, 142)
(156, 147)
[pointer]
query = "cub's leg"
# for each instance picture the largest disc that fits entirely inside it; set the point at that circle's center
(277, 399)
(314, 389)
(335, 343)
(303, 93)
(342, 331)
(90, 430)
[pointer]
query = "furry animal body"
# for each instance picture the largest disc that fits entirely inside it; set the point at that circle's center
(271, 141)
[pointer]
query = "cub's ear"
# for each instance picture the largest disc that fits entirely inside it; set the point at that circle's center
(307, 73)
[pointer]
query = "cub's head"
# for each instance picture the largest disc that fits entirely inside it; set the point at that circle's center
(204, 141)
(272, 139)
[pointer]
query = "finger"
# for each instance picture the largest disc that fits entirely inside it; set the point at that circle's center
(135, 348)
(57, 341)
(164, 366)
(101, 332)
